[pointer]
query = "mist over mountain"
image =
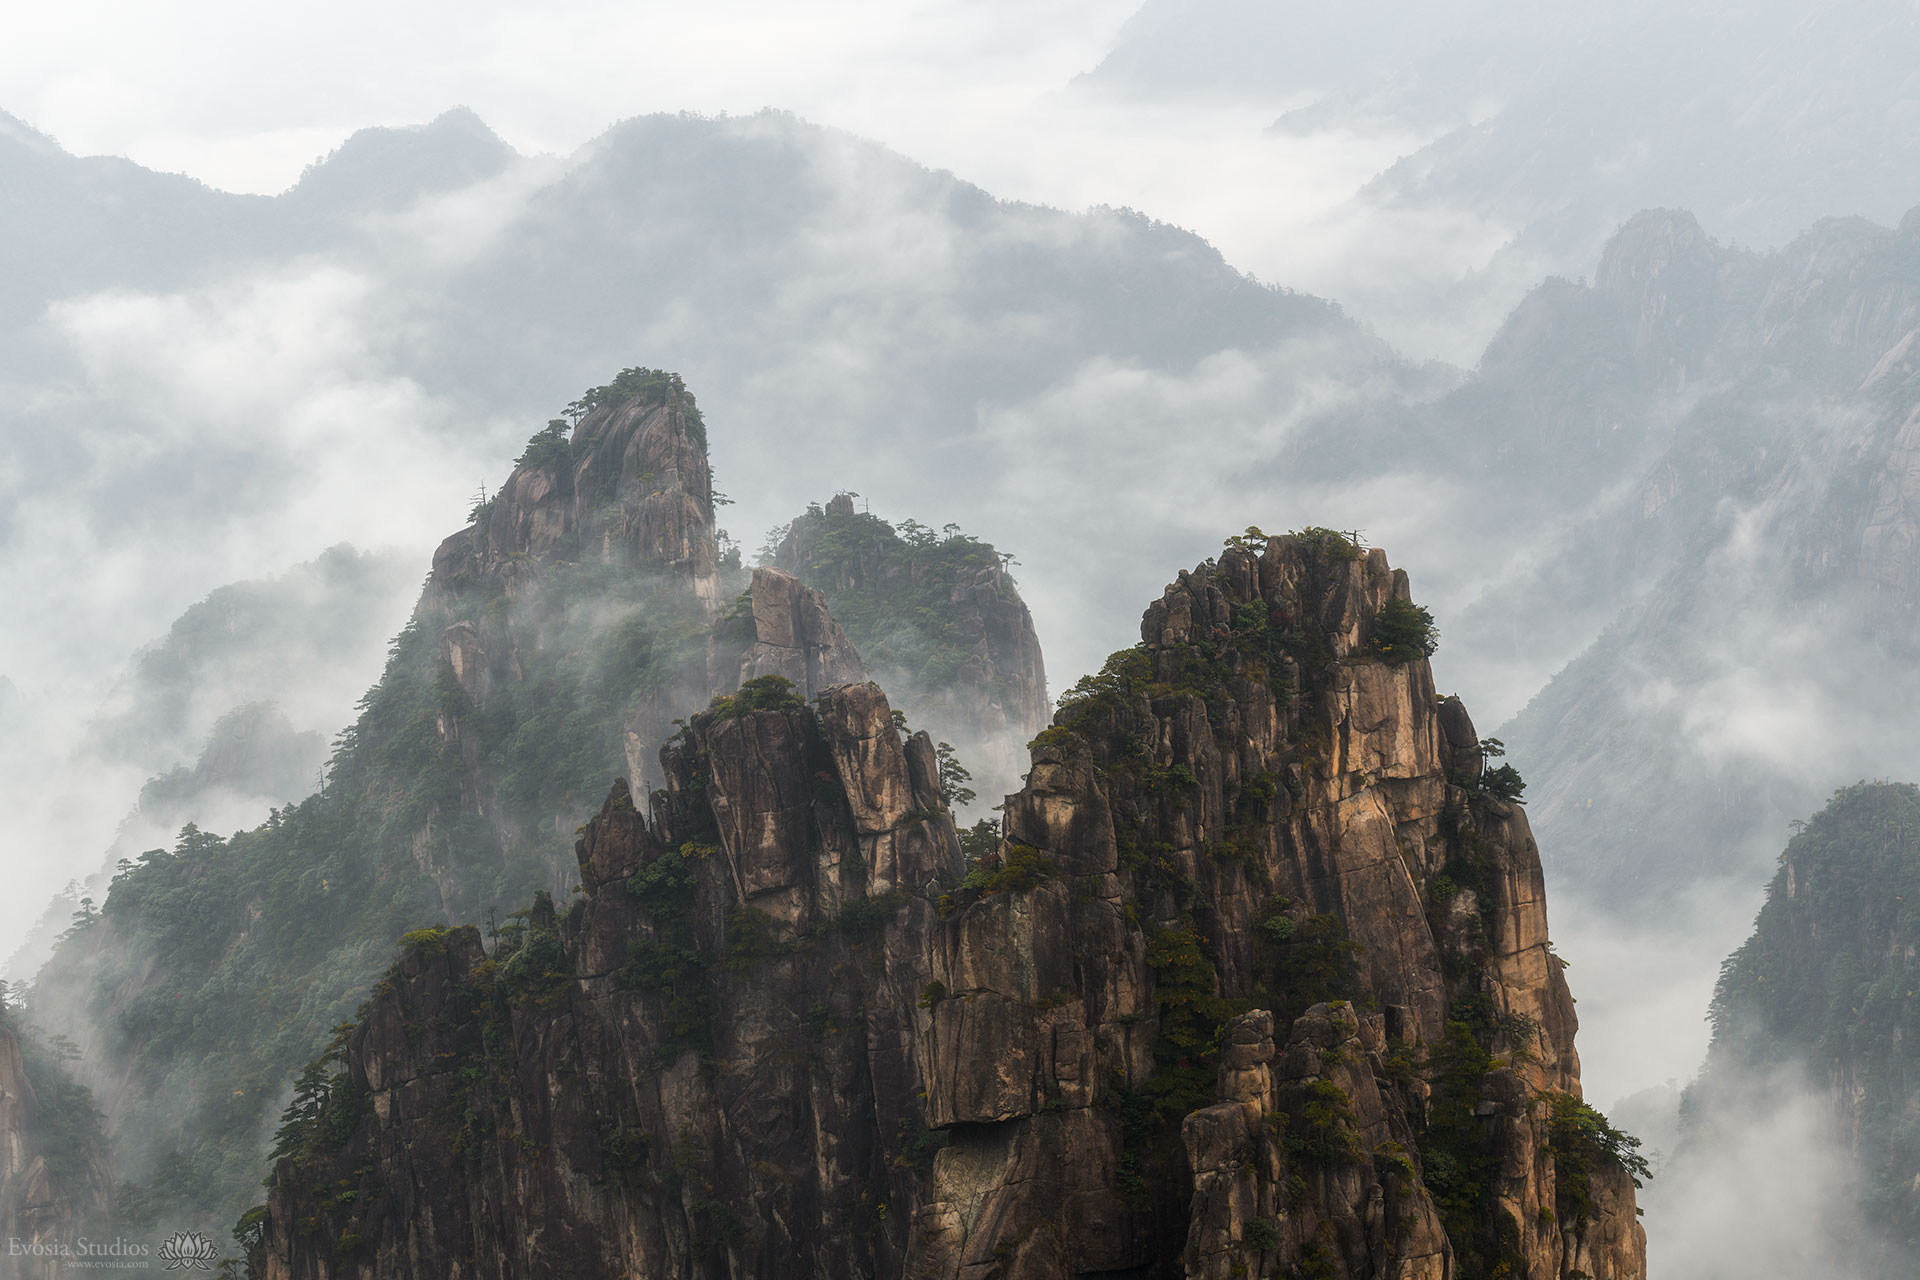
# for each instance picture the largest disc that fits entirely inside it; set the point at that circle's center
(226, 714)
(1663, 511)
(1812, 1061)
(415, 315)
(1749, 539)
(1535, 129)
(208, 387)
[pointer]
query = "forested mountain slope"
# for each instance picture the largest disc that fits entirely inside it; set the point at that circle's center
(1819, 1003)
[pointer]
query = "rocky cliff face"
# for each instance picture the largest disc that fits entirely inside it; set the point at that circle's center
(1257, 982)
(53, 1179)
(941, 623)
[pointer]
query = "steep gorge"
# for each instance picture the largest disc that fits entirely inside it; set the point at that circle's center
(1257, 980)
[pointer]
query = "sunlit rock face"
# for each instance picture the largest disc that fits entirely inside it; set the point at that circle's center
(1256, 981)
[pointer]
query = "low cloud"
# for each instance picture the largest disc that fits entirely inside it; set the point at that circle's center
(1764, 1191)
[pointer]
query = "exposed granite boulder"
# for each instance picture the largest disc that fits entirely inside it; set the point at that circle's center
(1250, 987)
(778, 627)
(794, 637)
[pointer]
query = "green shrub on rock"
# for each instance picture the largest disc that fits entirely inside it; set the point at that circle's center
(1403, 631)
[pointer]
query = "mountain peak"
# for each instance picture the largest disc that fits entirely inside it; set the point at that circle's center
(1653, 248)
(14, 129)
(1172, 1014)
(387, 166)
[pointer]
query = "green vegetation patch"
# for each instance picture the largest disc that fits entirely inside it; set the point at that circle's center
(1325, 1133)
(1403, 631)
(1191, 1016)
(1020, 868)
(1312, 961)
(650, 387)
(891, 588)
(763, 693)
(1582, 1140)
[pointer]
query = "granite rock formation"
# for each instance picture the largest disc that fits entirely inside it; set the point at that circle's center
(792, 636)
(560, 641)
(1257, 982)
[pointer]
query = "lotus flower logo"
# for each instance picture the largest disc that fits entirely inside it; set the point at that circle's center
(188, 1251)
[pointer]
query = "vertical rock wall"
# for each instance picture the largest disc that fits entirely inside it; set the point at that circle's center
(1257, 983)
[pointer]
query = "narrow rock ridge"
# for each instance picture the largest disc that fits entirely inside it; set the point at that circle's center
(1257, 982)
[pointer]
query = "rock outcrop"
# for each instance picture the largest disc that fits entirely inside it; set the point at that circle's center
(1251, 985)
(794, 637)
(628, 482)
(778, 627)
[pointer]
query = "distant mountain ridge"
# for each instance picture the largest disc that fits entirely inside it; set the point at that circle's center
(1534, 129)
(1751, 541)
(206, 387)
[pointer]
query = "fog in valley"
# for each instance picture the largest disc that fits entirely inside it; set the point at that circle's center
(1600, 322)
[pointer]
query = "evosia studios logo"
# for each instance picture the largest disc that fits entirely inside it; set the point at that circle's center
(188, 1251)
